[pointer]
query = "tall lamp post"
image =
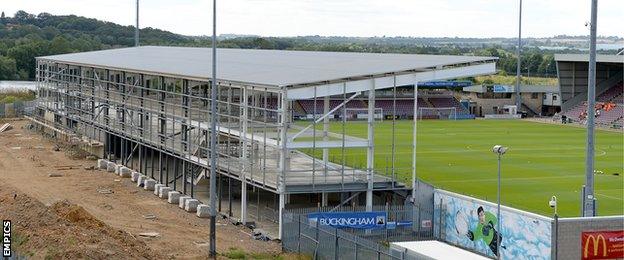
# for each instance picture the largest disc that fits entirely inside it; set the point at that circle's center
(589, 204)
(518, 97)
(213, 137)
(499, 150)
(136, 28)
(553, 204)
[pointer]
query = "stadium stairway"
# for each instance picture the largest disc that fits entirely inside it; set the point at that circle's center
(428, 102)
(298, 109)
(530, 111)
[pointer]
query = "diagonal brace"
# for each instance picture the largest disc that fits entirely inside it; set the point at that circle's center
(325, 115)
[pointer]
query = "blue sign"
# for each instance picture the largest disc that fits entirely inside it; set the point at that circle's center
(359, 220)
(502, 88)
(395, 224)
(404, 223)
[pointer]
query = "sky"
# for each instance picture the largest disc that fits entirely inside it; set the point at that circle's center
(415, 18)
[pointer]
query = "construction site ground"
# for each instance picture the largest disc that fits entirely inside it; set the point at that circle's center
(60, 209)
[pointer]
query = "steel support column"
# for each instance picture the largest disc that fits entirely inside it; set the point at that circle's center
(245, 118)
(370, 152)
(325, 150)
(283, 165)
(414, 144)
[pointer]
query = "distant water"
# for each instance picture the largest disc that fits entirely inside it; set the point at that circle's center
(609, 46)
(31, 85)
(599, 46)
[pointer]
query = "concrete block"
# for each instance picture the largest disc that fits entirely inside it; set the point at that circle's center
(149, 184)
(102, 164)
(141, 180)
(190, 205)
(203, 211)
(118, 168)
(173, 197)
(135, 176)
(110, 167)
(125, 172)
(164, 192)
(157, 187)
(125, 175)
(183, 201)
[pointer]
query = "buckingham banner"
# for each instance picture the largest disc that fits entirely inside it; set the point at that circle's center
(357, 220)
(473, 224)
(602, 244)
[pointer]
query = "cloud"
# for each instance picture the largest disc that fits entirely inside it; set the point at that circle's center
(474, 18)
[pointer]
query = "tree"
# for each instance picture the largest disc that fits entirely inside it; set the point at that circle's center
(548, 65)
(23, 17)
(59, 45)
(8, 69)
(24, 56)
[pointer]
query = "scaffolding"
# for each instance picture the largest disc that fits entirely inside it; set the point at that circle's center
(156, 119)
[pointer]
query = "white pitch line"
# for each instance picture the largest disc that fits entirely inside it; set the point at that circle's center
(471, 149)
(507, 179)
(602, 152)
(611, 197)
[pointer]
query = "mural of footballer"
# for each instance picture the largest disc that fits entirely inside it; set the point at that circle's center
(486, 231)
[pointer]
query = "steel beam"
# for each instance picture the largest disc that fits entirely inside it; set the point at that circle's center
(370, 151)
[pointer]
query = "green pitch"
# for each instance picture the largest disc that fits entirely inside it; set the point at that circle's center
(543, 160)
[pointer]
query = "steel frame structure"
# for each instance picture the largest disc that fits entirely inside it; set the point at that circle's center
(158, 125)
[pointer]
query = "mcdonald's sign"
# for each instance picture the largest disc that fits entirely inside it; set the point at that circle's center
(602, 244)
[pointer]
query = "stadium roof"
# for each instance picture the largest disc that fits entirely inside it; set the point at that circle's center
(585, 58)
(265, 67)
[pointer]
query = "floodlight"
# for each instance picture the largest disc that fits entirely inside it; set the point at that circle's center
(553, 202)
(499, 149)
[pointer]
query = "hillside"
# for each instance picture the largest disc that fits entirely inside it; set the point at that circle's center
(25, 36)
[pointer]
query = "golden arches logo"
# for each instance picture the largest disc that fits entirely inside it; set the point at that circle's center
(596, 242)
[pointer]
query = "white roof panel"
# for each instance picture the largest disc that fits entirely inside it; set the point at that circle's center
(263, 67)
(585, 58)
(438, 250)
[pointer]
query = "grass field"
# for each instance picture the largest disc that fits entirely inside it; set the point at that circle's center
(543, 160)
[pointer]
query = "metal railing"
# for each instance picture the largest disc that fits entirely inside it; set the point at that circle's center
(17, 108)
(324, 242)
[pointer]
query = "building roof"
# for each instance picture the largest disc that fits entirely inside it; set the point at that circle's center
(585, 58)
(261, 67)
(433, 249)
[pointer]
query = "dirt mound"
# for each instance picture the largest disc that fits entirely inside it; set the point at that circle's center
(67, 217)
(76, 214)
(65, 231)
